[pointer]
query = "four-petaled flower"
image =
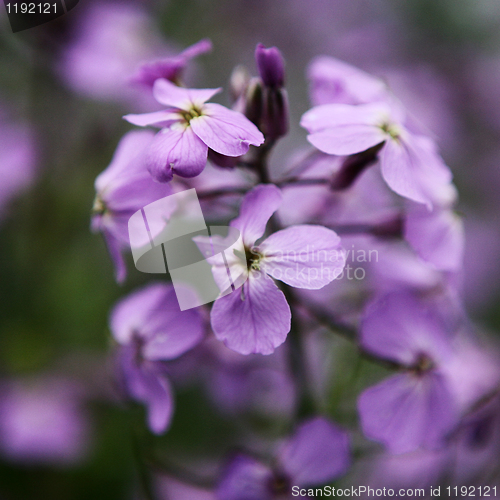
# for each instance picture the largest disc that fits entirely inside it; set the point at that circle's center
(256, 318)
(122, 189)
(415, 408)
(410, 163)
(316, 453)
(190, 127)
(151, 329)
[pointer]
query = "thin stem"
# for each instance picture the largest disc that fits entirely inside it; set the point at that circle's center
(390, 228)
(260, 163)
(223, 192)
(230, 190)
(298, 364)
(143, 471)
(297, 182)
(306, 162)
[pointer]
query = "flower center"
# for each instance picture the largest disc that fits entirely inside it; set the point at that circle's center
(422, 365)
(193, 112)
(391, 129)
(99, 207)
(251, 258)
(279, 484)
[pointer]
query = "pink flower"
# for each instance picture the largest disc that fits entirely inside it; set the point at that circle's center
(256, 318)
(190, 127)
(411, 165)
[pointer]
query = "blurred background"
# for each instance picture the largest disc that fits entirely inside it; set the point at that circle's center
(63, 90)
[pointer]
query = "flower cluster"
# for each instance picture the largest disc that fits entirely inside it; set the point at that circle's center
(373, 184)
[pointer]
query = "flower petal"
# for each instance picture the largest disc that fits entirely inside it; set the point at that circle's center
(198, 48)
(437, 237)
(346, 139)
(341, 129)
(153, 314)
(171, 95)
(406, 412)
(147, 385)
(115, 249)
(226, 131)
(144, 119)
(170, 331)
(400, 167)
(127, 160)
(334, 81)
(245, 479)
(176, 150)
(415, 330)
(303, 256)
(255, 318)
(256, 209)
(130, 314)
(318, 452)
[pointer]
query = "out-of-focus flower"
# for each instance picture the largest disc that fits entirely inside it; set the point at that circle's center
(43, 421)
(252, 385)
(410, 163)
(170, 68)
(123, 188)
(151, 329)
(191, 127)
(112, 39)
(416, 408)
(256, 318)
(169, 487)
(316, 453)
(334, 81)
(17, 165)
(437, 237)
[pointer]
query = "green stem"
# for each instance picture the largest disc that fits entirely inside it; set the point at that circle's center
(142, 469)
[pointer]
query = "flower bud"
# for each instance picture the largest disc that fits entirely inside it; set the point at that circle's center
(276, 116)
(271, 66)
(254, 105)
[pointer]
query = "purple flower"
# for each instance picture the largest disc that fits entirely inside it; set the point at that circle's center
(169, 68)
(170, 487)
(43, 422)
(151, 328)
(190, 127)
(253, 385)
(122, 189)
(17, 167)
(316, 453)
(256, 318)
(410, 163)
(415, 408)
(110, 41)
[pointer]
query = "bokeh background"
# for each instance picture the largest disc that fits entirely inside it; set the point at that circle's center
(63, 91)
